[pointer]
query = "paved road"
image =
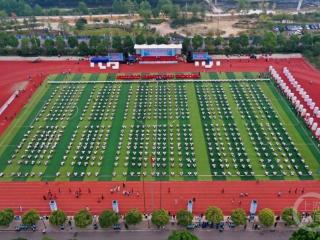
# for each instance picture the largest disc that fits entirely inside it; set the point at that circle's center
(153, 235)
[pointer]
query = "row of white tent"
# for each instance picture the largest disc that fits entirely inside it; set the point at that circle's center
(303, 111)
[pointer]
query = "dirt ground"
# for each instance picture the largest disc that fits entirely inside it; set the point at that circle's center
(210, 26)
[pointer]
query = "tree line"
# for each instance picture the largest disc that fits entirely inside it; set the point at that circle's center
(160, 218)
(147, 8)
(308, 44)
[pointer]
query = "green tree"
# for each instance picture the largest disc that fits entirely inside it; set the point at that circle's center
(81, 23)
(94, 42)
(289, 216)
(145, 10)
(83, 49)
(164, 6)
(269, 42)
(160, 217)
(6, 217)
(83, 218)
(214, 215)
(303, 234)
(58, 218)
(133, 217)
(128, 44)
(35, 46)
(117, 43)
(182, 235)
(49, 47)
(266, 217)
(150, 39)
(175, 12)
(195, 10)
(244, 40)
(12, 41)
(83, 8)
(243, 5)
(197, 42)
(72, 41)
(38, 10)
(162, 40)
(316, 216)
(108, 218)
(25, 48)
(186, 45)
(140, 39)
(184, 217)
(239, 217)
(31, 217)
(61, 45)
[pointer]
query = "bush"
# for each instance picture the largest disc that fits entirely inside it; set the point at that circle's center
(160, 217)
(316, 216)
(182, 235)
(6, 217)
(266, 217)
(133, 217)
(83, 218)
(57, 218)
(289, 216)
(184, 217)
(239, 217)
(31, 217)
(214, 215)
(108, 218)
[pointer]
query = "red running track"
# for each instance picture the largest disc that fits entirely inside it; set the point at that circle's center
(30, 194)
(225, 195)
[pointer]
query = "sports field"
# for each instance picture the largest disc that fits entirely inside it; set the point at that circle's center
(88, 127)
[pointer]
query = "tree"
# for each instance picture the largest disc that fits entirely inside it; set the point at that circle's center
(83, 218)
(161, 40)
(175, 12)
(194, 10)
(38, 10)
(316, 216)
(94, 42)
(35, 46)
(83, 8)
(290, 216)
(30, 218)
(244, 40)
(266, 217)
(108, 218)
(117, 43)
(214, 215)
(182, 235)
(184, 217)
(145, 10)
(12, 41)
(6, 217)
(197, 42)
(128, 44)
(160, 217)
(83, 49)
(150, 39)
(239, 217)
(140, 39)
(25, 42)
(58, 218)
(72, 41)
(269, 41)
(164, 6)
(243, 5)
(61, 45)
(49, 47)
(80, 23)
(303, 234)
(133, 217)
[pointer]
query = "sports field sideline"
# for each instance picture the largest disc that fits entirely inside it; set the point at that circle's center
(219, 130)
